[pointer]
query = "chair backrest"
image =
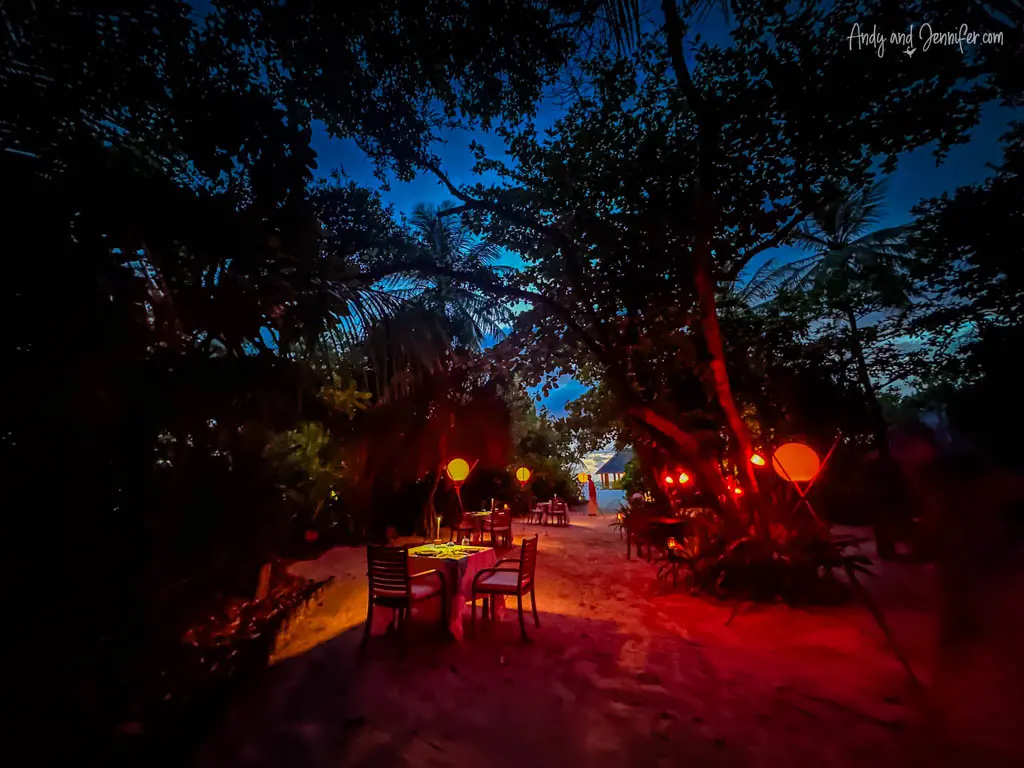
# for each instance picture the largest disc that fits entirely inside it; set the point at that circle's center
(527, 561)
(388, 569)
(501, 518)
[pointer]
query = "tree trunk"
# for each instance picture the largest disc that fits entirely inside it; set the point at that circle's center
(864, 377)
(430, 512)
(647, 463)
(707, 214)
(708, 476)
(743, 448)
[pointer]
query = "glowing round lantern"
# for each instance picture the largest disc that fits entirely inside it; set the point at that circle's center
(669, 480)
(683, 478)
(582, 477)
(522, 474)
(796, 462)
(756, 460)
(458, 470)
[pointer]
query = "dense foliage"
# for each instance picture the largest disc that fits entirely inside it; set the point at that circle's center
(663, 181)
(195, 346)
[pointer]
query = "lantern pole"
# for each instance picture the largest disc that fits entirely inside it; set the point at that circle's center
(458, 484)
(523, 475)
(802, 493)
(458, 487)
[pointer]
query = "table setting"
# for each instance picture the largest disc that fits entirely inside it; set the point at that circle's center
(460, 563)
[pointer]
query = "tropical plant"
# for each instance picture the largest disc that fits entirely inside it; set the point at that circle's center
(471, 317)
(845, 248)
(855, 270)
(632, 480)
(309, 459)
(798, 568)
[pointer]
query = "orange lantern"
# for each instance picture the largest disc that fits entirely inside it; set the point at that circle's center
(796, 462)
(582, 477)
(683, 478)
(458, 470)
(756, 460)
(669, 480)
(522, 475)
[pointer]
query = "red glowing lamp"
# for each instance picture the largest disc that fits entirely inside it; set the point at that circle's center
(683, 478)
(738, 491)
(756, 460)
(796, 462)
(669, 480)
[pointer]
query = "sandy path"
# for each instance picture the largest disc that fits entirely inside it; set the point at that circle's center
(622, 672)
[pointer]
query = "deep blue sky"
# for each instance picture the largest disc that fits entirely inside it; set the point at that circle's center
(917, 176)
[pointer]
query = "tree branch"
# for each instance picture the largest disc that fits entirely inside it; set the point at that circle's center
(488, 285)
(474, 204)
(775, 240)
(674, 35)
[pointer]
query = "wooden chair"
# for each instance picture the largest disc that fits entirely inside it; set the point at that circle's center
(535, 514)
(560, 512)
(500, 527)
(464, 526)
(391, 586)
(638, 533)
(509, 581)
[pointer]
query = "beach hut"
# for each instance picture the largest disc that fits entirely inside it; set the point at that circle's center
(613, 469)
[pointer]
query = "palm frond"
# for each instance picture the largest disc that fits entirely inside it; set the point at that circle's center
(482, 253)
(761, 286)
(890, 238)
(795, 274)
(622, 19)
(859, 209)
(809, 238)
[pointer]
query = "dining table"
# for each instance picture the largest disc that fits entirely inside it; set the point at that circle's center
(460, 565)
(544, 507)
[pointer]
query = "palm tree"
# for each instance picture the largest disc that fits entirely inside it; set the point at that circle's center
(471, 317)
(847, 258)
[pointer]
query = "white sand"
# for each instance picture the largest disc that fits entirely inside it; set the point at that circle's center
(623, 671)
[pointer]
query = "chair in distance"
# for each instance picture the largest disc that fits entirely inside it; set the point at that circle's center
(464, 528)
(499, 524)
(535, 514)
(560, 511)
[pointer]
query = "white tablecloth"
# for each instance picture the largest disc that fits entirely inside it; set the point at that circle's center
(459, 574)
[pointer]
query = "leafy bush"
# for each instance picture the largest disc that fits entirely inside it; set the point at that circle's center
(632, 480)
(798, 568)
